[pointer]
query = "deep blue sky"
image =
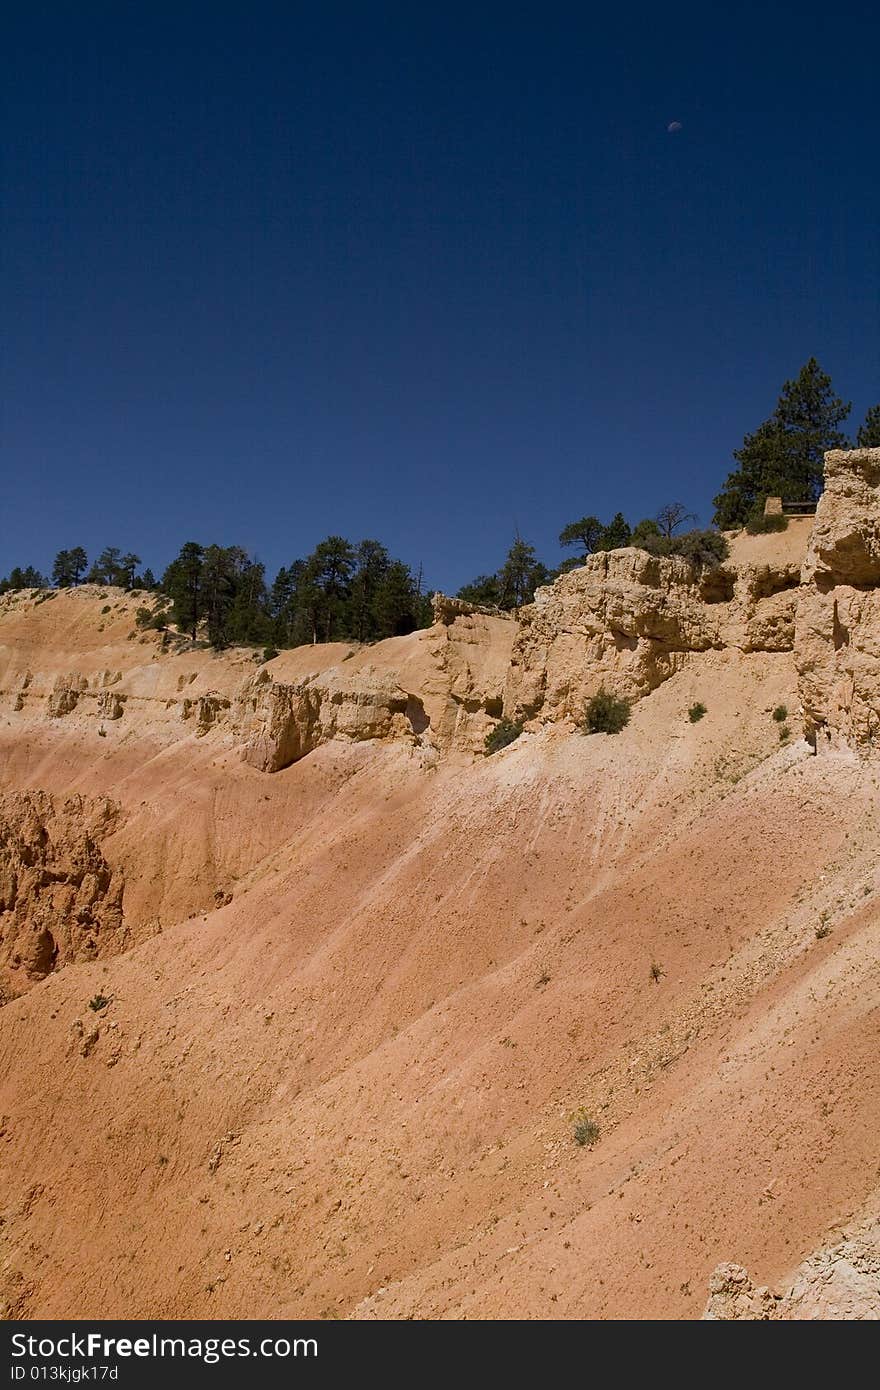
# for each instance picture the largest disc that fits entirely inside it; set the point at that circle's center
(427, 274)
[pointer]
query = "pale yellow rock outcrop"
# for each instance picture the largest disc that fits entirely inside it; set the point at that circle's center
(60, 901)
(837, 647)
(629, 620)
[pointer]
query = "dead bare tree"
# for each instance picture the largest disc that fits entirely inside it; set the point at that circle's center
(671, 516)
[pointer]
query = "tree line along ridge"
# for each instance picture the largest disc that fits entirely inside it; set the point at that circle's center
(359, 592)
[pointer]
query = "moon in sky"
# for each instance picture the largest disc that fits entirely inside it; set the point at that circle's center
(674, 126)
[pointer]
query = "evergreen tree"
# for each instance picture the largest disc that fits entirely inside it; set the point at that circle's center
(585, 534)
(18, 578)
(615, 535)
(127, 567)
(395, 603)
(69, 567)
(308, 606)
(785, 455)
(281, 603)
(217, 592)
(249, 622)
(148, 579)
(61, 570)
(868, 436)
(520, 575)
(182, 582)
(331, 567)
(107, 569)
(78, 560)
(372, 566)
(644, 532)
(484, 591)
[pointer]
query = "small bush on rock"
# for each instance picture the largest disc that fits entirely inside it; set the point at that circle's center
(696, 712)
(586, 1130)
(760, 525)
(780, 714)
(704, 549)
(506, 731)
(154, 618)
(605, 714)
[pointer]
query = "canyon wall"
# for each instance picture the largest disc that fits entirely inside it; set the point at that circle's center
(304, 995)
(60, 901)
(837, 646)
(624, 619)
(629, 620)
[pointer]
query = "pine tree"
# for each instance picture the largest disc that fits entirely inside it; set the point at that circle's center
(585, 534)
(645, 533)
(28, 578)
(248, 620)
(616, 534)
(484, 591)
(520, 575)
(127, 567)
(331, 567)
(395, 602)
(281, 603)
(308, 606)
(217, 592)
(62, 570)
(107, 569)
(373, 563)
(784, 457)
(182, 582)
(868, 436)
(78, 561)
(69, 567)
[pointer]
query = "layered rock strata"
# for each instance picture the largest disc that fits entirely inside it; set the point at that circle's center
(60, 901)
(837, 646)
(629, 620)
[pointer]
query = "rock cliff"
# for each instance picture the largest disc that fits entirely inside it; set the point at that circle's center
(60, 901)
(837, 647)
(350, 999)
(440, 688)
(838, 1283)
(625, 619)
(630, 620)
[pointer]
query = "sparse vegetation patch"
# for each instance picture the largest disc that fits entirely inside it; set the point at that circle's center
(605, 714)
(506, 731)
(586, 1130)
(760, 525)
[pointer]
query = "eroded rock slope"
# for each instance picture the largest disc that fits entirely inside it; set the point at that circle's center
(361, 982)
(60, 901)
(838, 620)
